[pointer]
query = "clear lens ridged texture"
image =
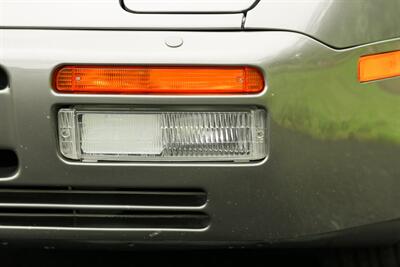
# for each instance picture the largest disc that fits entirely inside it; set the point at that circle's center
(222, 134)
(170, 136)
(66, 133)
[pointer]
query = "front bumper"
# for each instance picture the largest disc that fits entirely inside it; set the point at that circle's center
(333, 142)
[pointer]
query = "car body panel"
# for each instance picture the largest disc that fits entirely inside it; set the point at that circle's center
(189, 6)
(337, 23)
(334, 142)
(104, 14)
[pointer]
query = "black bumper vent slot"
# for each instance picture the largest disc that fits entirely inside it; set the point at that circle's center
(99, 208)
(100, 197)
(3, 79)
(107, 219)
(8, 163)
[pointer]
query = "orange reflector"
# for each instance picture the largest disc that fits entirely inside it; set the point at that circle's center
(158, 80)
(380, 66)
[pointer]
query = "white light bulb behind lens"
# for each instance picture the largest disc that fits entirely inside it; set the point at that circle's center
(130, 135)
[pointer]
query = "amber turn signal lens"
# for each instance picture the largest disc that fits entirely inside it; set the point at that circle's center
(379, 66)
(158, 80)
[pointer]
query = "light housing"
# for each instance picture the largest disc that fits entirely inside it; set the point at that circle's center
(379, 66)
(118, 134)
(99, 79)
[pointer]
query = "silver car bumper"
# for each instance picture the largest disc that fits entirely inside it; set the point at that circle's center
(329, 168)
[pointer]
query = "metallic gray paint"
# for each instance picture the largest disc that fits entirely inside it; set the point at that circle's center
(339, 23)
(103, 14)
(189, 6)
(321, 176)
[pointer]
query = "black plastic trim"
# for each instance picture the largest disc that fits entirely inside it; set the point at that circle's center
(8, 163)
(102, 219)
(3, 79)
(103, 197)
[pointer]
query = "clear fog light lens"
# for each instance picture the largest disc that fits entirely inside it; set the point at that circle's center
(131, 135)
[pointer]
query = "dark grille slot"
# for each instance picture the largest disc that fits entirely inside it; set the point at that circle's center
(3, 79)
(99, 208)
(102, 219)
(86, 197)
(8, 163)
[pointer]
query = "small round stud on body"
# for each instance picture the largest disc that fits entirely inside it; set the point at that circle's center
(173, 41)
